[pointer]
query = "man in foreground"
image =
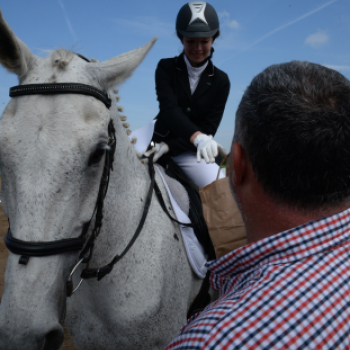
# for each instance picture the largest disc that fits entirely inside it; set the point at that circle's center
(289, 288)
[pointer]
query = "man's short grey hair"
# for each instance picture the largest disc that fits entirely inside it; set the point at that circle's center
(294, 123)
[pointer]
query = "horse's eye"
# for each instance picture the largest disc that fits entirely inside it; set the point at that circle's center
(96, 156)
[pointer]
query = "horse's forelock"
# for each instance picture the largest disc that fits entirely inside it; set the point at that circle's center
(61, 58)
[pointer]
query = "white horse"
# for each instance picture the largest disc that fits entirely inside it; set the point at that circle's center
(52, 156)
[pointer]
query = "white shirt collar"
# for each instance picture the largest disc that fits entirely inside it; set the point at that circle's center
(194, 71)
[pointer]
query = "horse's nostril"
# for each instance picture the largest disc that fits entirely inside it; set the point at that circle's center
(53, 340)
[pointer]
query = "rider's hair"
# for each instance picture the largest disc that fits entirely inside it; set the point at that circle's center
(214, 36)
(294, 124)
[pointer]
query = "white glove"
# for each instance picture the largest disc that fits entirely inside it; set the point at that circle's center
(207, 148)
(159, 149)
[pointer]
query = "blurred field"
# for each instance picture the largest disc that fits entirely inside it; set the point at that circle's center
(68, 343)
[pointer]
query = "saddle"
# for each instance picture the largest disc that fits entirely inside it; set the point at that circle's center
(195, 205)
(195, 212)
(144, 137)
(197, 223)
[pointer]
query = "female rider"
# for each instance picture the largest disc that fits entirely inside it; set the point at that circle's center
(192, 94)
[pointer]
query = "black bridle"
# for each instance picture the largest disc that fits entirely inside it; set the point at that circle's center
(60, 88)
(27, 249)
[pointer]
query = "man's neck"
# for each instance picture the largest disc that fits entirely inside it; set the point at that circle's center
(267, 218)
(264, 216)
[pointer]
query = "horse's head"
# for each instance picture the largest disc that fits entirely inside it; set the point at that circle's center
(52, 151)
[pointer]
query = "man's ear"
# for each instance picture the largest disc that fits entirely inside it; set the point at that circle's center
(238, 164)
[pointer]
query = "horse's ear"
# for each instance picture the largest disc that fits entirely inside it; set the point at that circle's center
(14, 54)
(117, 69)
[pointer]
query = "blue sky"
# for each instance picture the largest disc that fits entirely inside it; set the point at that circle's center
(254, 35)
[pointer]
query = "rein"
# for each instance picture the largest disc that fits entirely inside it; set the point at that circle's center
(99, 273)
(26, 249)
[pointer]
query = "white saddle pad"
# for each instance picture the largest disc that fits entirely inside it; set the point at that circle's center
(194, 250)
(143, 137)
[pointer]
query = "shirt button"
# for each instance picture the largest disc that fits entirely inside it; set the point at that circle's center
(188, 109)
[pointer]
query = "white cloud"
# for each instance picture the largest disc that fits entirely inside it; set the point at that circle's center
(317, 39)
(226, 21)
(233, 24)
(293, 22)
(267, 35)
(224, 14)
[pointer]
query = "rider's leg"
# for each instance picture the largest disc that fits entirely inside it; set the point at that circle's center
(201, 174)
(227, 235)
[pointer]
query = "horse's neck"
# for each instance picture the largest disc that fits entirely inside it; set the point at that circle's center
(128, 187)
(129, 173)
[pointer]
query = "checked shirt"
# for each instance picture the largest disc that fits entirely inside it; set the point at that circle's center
(287, 291)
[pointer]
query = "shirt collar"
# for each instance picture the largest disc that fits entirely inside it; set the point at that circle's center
(287, 246)
(180, 65)
(194, 71)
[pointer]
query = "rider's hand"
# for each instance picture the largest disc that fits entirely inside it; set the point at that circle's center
(207, 148)
(159, 149)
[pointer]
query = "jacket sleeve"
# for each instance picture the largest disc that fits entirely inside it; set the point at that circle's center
(179, 145)
(171, 113)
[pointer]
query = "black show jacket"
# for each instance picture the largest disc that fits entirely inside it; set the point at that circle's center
(182, 114)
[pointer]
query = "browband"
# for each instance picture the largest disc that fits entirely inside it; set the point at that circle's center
(60, 88)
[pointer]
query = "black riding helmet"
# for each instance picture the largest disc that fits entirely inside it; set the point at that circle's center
(197, 19)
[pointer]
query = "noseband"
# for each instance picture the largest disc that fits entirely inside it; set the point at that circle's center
(27, 249)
